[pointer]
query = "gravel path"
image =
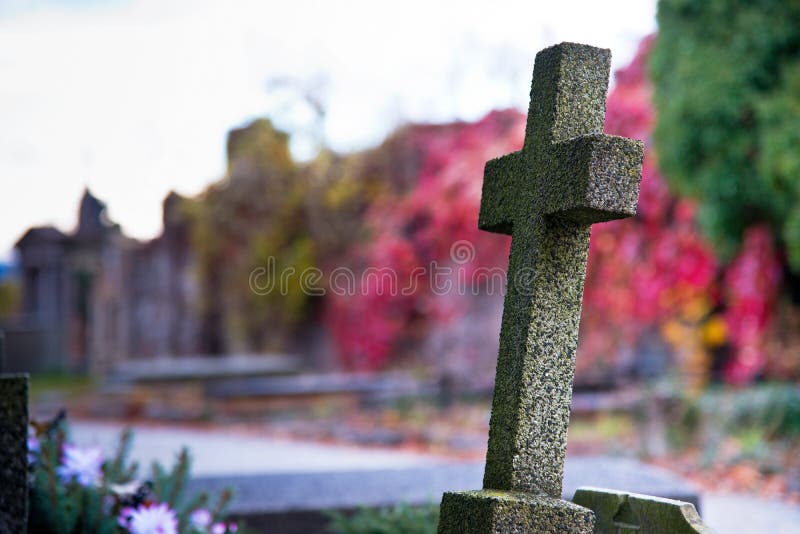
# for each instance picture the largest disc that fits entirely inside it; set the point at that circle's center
(221, 453)
(734, 514)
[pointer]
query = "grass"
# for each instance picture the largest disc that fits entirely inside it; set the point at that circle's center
(59, 383)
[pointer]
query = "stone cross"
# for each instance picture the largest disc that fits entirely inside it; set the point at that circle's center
(13, 450)
(567, 176)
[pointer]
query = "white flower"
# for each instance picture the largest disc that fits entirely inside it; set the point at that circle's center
(218, 528)
(83, 465)
(155, 519)
(200, 519)
(125, 490)
(34, 447)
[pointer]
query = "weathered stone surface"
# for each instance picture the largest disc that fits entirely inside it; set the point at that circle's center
(620, 512)
(13, 453)
(481, 512)
(567, 176)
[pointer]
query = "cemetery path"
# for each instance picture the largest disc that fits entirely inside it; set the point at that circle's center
(735, 513)
(227, 453)
(230, 453)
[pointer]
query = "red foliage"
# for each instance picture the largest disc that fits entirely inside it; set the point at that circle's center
(643, 272)
(414, 234)
(751, 284)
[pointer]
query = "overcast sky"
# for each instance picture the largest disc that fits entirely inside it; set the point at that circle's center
(133, 98)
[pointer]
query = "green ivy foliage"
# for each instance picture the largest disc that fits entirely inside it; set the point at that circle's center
(10, 297)
(763, 420)
(239, 222)
(400, 519)
(270, 208)
(726, 77)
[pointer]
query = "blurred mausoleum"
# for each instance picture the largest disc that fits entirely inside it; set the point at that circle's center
(94, 297)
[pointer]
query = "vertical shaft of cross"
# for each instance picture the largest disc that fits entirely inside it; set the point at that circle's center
(536, 362)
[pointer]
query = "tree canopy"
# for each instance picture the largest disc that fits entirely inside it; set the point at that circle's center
(726, 77)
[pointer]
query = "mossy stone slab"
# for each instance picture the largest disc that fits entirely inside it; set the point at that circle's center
(503, 512)
(618, 512)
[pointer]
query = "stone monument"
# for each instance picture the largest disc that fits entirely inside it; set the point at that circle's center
(567, 176)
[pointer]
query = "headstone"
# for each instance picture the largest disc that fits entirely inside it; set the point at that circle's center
(617, 512)
(567, 176)
(13, 450)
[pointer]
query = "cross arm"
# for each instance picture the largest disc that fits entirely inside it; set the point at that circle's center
(500, 195)
(593, 178)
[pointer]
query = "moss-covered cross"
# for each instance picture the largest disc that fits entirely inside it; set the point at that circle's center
(567, 176)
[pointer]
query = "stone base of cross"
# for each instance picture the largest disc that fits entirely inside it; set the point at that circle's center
(567, 176)
(491, 511)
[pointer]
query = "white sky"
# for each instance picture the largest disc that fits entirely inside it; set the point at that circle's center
(134, 98)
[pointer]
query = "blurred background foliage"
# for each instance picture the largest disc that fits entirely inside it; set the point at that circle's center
(699, 291)
(400, 519)
(659, 297)
(10, 294)
(699, 284)
(726, 75)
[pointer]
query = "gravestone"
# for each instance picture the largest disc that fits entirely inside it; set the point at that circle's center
(13, 450)
(630, 513)
(567, 176)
